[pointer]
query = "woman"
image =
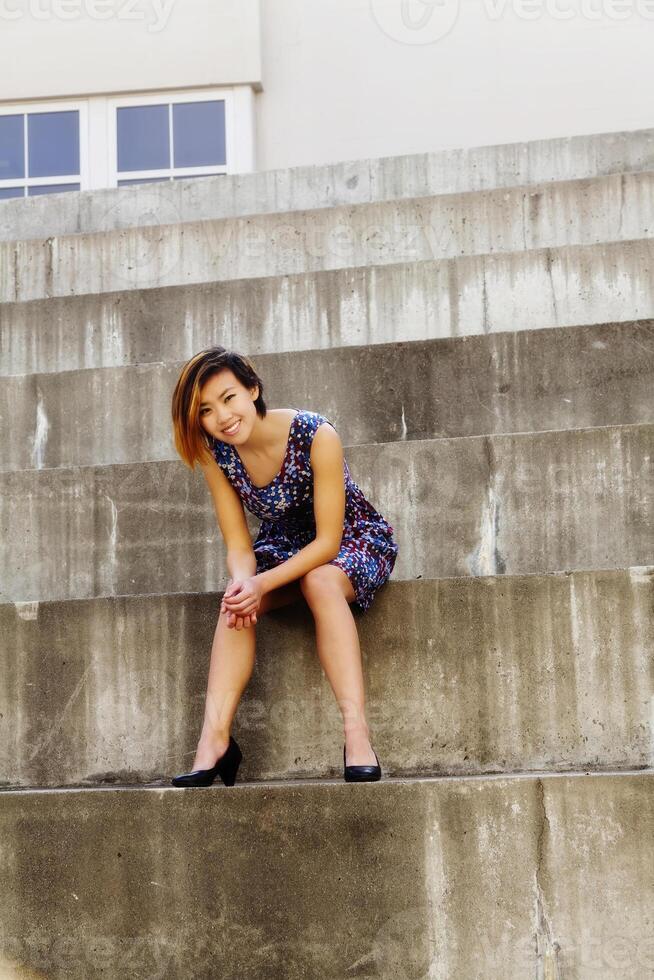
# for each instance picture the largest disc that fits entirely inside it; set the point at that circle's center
(319, 539)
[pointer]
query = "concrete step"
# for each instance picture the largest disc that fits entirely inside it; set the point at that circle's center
(422, 300)
(476, 505)
(525, 381)
(537, 289)
(617, 207)
(463, 675)
(459, 878)
(449, 171)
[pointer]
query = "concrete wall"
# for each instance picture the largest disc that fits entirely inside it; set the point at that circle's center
(350, 79)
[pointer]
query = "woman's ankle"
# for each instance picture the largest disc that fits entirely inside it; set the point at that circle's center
(358, 732)
(214, 736)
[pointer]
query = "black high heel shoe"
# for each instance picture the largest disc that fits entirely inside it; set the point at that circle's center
(361, 774)
(225, 767)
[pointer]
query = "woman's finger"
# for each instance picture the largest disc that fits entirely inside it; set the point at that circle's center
(227, 594)
(247, 618)
(236, 596)
(243, 605)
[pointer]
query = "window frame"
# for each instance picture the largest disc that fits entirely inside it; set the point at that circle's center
(60, 105)
(99, 142)
(170, 97)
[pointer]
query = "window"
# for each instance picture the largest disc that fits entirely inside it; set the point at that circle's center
(39, 152)
(170, 140)
(52, 146)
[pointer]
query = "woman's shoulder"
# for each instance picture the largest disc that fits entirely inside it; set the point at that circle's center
(315, 418)
(307, 423)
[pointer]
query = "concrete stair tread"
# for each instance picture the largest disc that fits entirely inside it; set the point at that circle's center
(308, 783)
(450, 170)
(617, 207)
(333, 881)
(69, 470)
(496, 673)
(421, 300)
(153, 520)
(506, 383)
(527, 188)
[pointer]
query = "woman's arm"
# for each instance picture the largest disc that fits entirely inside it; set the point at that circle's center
(327, 464)
(241, 560)
(241, 563)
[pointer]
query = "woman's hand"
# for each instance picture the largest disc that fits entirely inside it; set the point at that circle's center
(241, 602)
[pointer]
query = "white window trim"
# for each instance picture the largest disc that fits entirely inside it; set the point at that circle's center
(98, 134)
(26, 109)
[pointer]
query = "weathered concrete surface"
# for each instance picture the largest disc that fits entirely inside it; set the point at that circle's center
(501, 669)
(515, 291)
(448, 171)
(465, 879)
(477, 505)
(509, 382)
(619, 207)
(493, 674)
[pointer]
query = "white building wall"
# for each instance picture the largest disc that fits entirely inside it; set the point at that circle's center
(338, 86)
(138, 45)
(329, 80)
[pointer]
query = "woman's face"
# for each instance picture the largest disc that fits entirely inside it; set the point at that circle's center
(223, 401)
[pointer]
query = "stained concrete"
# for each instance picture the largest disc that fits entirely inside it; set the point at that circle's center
(618, 207)
(475, 505)
(114, 560)
(524, 381)
(463, 675)
(467, 879)
(449, 171)
(541, 288)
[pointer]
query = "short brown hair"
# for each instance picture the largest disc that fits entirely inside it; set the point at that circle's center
(191, 440)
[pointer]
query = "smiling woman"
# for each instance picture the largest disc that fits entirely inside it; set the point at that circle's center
(202, 408)
(319, 539)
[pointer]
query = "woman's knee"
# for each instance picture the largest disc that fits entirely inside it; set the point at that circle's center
(325, 579)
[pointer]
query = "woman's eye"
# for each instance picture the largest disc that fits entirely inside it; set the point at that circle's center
(203, 410)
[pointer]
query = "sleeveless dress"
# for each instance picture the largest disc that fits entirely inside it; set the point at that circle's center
(285, 505)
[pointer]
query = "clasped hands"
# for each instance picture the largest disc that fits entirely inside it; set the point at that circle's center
(241, 601)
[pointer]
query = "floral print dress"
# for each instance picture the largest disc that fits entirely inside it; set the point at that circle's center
(285, 506)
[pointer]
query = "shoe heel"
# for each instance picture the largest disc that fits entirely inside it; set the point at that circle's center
(231, 760)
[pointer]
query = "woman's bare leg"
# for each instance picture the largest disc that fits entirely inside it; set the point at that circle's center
(328, 592)
(230, 669)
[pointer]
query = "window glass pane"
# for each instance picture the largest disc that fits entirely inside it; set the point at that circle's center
(12, 149)
(141, 180)
(51, 189)
(199, 133)
(53, 143)
(143, 141)
(7, 192)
